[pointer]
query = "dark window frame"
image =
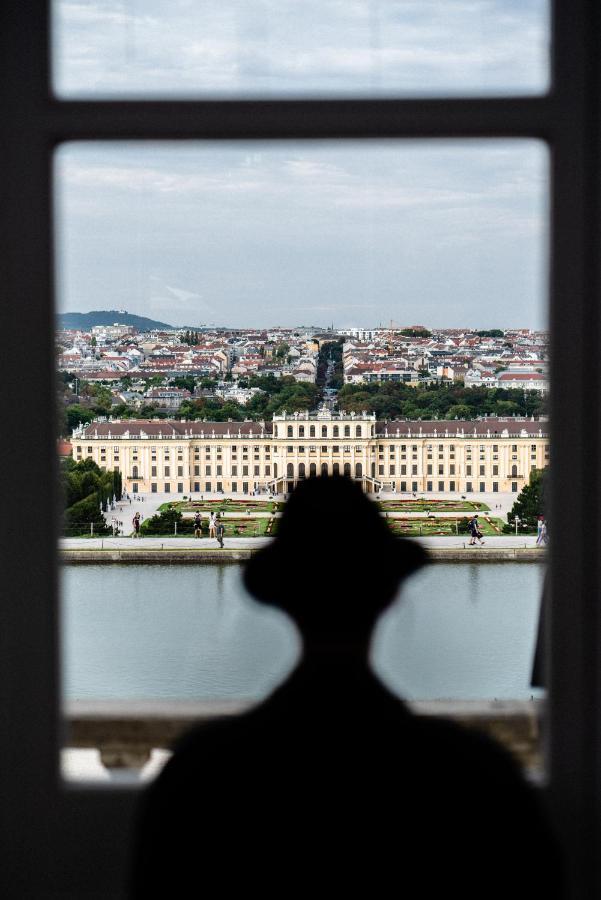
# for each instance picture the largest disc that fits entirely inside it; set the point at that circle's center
(35, 123)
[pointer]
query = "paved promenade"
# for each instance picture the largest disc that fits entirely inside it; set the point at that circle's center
(504, 542)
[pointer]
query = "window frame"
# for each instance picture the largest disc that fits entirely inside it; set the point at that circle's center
(48, 819)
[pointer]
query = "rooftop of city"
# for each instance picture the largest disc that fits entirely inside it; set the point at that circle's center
(443, 377)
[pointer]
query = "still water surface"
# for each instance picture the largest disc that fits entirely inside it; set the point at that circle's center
(463, 631)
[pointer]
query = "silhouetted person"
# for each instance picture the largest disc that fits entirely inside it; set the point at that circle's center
(331, 787)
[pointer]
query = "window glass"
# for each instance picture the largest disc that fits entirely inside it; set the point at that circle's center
(231, 269)
(314, 47)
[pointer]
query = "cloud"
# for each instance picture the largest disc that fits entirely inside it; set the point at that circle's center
(264, 232)
(287, 47)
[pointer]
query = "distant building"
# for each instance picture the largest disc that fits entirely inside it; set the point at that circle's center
(113, 332)
(168, 398)
(180, 457)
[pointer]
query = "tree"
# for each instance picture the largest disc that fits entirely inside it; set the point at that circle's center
(459, 411)
(76, 414)
(153, 381)
(491, 332)
(187, 382)
(416, 332)
(87, 488)
(148, 411)
(85, 517)
(530, 502)
(165, 522)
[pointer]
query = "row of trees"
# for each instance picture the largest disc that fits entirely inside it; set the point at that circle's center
(388, 400)
(87, 491)
(190, 337)
(392, 400)
(278, 394)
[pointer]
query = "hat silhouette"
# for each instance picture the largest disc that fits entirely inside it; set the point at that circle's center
(333, 554)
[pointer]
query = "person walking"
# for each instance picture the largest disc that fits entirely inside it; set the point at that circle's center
(197, 526)
(541, 527)
(136, 524)
(474, 530)
(219, 533)
(477, 532)
(471, 529)
(212, 524)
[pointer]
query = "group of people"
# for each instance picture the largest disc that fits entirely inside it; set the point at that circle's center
(216, 527)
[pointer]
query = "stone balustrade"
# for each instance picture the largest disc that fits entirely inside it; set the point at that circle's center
(125, 732)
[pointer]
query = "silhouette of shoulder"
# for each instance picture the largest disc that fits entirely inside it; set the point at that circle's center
(353, 793)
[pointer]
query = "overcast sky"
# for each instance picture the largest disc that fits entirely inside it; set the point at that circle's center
(446, 234)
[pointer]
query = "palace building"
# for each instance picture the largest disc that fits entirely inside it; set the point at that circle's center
(181, 457)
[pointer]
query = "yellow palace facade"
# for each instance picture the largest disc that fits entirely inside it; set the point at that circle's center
(180, 457)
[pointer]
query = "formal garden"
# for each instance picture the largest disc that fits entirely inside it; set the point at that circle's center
(223, 505)
(440, 526)
(171, 523)
(427, 505)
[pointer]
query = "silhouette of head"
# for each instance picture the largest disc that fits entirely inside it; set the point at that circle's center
(335, 565)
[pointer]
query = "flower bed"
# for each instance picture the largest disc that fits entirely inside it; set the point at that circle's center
(440, 526)
(423, 505)
(222, 505)
(243, 527)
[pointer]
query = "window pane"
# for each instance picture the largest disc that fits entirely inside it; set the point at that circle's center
(390, 294)
(292, 48)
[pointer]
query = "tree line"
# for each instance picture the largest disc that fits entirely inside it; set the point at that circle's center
(87, 490)
(393, 400)
(388, 400)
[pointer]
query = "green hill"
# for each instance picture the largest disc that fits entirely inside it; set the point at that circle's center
(85, 321)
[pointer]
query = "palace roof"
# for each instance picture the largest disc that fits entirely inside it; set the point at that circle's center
(460, 428)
